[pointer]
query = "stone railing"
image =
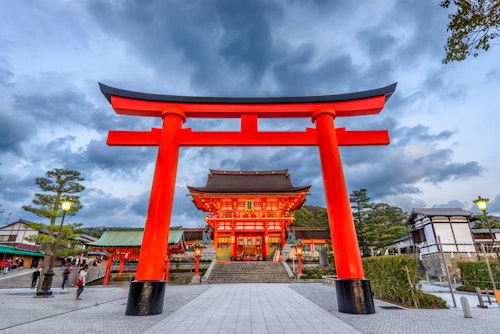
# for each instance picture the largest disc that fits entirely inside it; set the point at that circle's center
(329, 280)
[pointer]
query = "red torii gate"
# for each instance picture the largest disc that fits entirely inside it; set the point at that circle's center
(147, 292)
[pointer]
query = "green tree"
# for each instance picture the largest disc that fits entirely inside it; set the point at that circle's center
(361, 207)
(311, 216)
(480, 223)
(302, 217)
(58, 185)
(474, 27)
(384, 224)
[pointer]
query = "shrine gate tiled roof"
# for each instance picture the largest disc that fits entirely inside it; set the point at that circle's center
(249, 182)
(132, 237)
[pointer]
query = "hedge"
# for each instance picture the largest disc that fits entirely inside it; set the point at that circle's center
(475, 274)
(389, 281)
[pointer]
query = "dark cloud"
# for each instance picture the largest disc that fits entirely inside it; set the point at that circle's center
(295, 77)
(418, 134)
(139, 206)
(14, 130)
(118, 159)
(450, 204)
(454, 171)
(104, 209)
(6, 74)
(247, 42)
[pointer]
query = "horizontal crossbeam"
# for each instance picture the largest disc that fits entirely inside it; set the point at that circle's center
(248, 138)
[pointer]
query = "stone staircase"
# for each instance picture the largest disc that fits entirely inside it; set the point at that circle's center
(249, 272)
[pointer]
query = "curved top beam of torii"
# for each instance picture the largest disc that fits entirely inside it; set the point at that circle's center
(145, 104)
(249, 110)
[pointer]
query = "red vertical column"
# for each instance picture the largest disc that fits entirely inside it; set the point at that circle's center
(283, 236)
(122, 264)
(353, 290)
(344, 239)
(108, 269)
(299, 263)
(265, 242)
(147, 292)
(155, 239)
(234, 250)
(216, 240)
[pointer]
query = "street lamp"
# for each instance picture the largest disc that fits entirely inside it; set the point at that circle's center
(197, 247)
(299, 247)
(49, 275)
(482, 204)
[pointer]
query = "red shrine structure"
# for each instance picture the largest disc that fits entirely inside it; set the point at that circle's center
(248, 212)
(123, 244)
(147, 292)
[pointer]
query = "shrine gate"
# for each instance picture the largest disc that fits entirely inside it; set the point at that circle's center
(146, 295)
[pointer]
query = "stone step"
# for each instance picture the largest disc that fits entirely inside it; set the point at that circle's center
(248, 272)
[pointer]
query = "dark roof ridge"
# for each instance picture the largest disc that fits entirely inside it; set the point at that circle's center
(108, 91)
(236, 172)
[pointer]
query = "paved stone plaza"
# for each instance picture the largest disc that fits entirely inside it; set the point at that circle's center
(227, 308)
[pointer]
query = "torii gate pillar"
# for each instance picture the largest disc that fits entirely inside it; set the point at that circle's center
(353, 290)
(147, 291)
(146, 295)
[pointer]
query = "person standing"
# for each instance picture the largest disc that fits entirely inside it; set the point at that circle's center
(66, 273)
(6, 265)
(34, 277)
(80, 282)
(21, 264)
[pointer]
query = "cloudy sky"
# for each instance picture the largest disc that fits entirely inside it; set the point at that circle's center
(442, 120)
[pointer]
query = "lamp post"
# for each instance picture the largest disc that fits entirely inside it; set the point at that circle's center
(197, 247)
(299, 247)
(482, 204)
(49, 275)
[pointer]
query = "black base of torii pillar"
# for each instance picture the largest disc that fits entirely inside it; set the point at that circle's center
(145, 298)
(354, 296)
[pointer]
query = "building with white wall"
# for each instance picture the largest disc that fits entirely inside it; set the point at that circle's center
(442, 228)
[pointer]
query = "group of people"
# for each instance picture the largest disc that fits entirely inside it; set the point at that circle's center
(12, 264)
(80, 281)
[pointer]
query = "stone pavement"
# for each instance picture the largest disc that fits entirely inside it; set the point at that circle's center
(226, 308)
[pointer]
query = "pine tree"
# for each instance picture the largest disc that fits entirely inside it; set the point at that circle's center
(58, 185)
(384, 224)
(361, 207)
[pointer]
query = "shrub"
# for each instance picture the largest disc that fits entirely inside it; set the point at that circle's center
(315, 273)
(466, 288)
(389, 281)
(475, 274)
(431, 301)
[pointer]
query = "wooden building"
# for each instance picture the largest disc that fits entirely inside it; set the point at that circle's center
(13, 244)
(446, 229)
(249, 212)
(451, 226)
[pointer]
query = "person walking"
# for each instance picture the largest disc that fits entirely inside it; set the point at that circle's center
(66, 273)
(34, 277)
(80, 282)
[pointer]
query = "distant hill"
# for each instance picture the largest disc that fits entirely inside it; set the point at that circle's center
(311, 216)
(95, 231)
